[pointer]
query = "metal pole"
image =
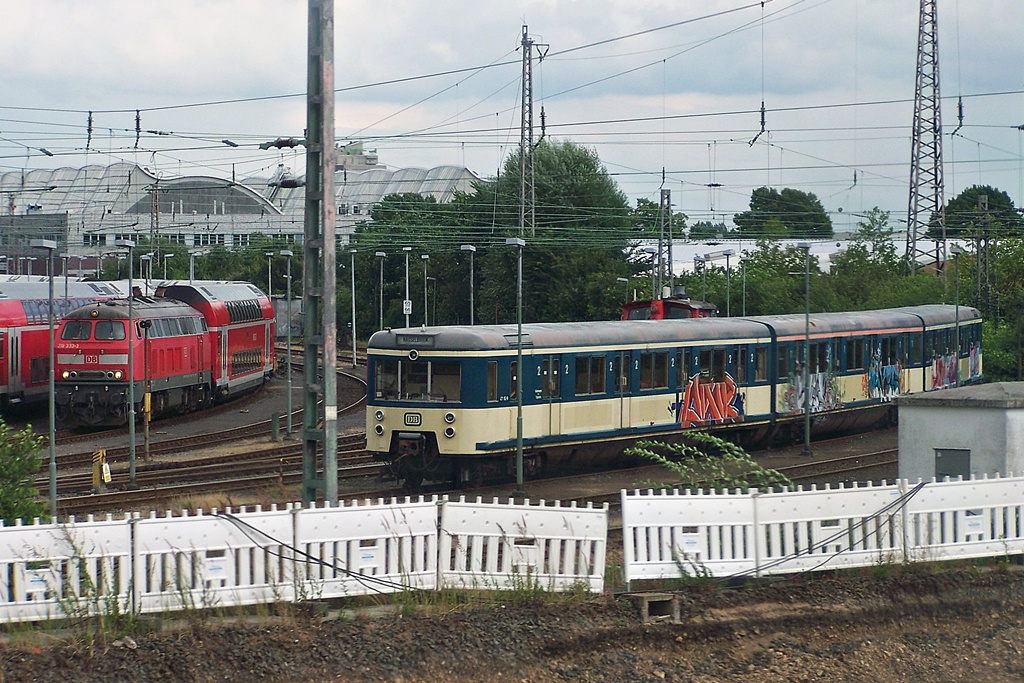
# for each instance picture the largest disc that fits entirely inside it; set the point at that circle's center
(728, 284)
(288, 358)
(472, 251)
(50, 246)
(407, 304)
(519, 243)
(807, 347)
(270, 273)
(129, 244)
(956, 353)
(381, 255)
(425, 258)
(743, 271)
(353, 253)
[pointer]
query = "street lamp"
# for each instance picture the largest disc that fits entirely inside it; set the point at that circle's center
(381, 255)
(728, 281)
(288, 360)
(50, 246)
(166, 256)
(806, 246)
(957, 250)
(192, 264)
(146, 264)
(743, 271)
(129, 245)
(270, 261)
(653, 251)
(519, 243)
(625, 281)
(407, 302)
(352, 252)
(700, 263)
(472, 251)
(425, 258)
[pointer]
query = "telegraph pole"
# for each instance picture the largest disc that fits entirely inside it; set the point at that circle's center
(320, 328)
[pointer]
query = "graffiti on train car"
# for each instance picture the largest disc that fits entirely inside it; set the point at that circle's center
(824, 393)
(710, 403)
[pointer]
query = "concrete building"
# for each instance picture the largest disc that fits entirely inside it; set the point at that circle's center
(967, 431)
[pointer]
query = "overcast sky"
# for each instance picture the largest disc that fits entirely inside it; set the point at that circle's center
(836, 77)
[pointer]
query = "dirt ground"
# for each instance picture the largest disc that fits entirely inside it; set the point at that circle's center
(880, 625)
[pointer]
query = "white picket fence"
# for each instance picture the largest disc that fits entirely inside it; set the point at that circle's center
(669, 533)
(222, 559)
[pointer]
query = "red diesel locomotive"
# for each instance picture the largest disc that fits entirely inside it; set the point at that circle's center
(25, 329)
(194, 343)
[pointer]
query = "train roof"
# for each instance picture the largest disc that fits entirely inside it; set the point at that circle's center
(22, 287)
(209, 291)
(142, 307)
(633, 332)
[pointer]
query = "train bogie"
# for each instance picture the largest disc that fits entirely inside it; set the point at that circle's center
(443, 401)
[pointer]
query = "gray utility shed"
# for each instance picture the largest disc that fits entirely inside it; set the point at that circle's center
(976, 430)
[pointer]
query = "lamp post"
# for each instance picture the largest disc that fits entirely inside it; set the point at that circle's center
(425, 258)
(381, 255)
(957, 250)
(653, 251)
(129, 245)
(743, 272)
(472, 251)
(270, 273)
(519, 243)
(192, 264)
(166, 256)
(146, 264)
(288, 359)
(50, 246)
(728, 282)
(624, 281)
(352, 253)
(407, 302)
(65, 257)
(806, 246)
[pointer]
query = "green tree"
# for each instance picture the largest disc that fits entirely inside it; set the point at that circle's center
(19, 464)
(800, 213)
(647, 219)
(706, 230)
(965, 218)
(869, 263)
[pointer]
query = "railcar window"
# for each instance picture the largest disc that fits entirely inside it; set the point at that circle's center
(590, 375)
(492, 380)
(654, 370)
(760, 364)
(682, 368)
(739, 364)
(783, 362)
(855, 354)
(76, 329)
(718, 365)
(109, 330)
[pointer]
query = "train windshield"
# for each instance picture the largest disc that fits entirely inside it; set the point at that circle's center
(76, 330)
(107, 330)
(430, 381)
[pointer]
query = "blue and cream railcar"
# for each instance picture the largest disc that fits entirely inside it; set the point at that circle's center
(443, 402)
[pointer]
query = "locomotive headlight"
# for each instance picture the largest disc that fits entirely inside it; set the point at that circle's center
(379, 429)
(379, 415)
(65, 374)
(449, 432)
(118, 374)
(449, 417)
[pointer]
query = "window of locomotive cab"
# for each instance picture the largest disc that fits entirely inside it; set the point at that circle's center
(109, 330)
(590, 375)
(76, 330)
(654, 370)
(639, 313)
(445, 381)
(386, 379)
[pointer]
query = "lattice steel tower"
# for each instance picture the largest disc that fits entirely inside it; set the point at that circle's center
(926, 188)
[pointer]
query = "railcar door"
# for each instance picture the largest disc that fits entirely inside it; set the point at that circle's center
(622, 370)
(549, 373)
(14, 385)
